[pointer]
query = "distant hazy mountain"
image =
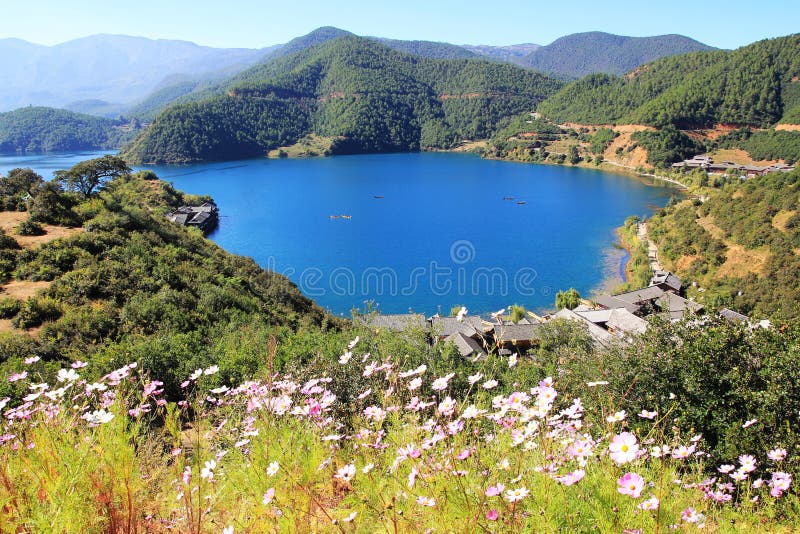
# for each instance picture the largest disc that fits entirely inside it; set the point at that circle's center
(579, 54)
(510, 54)
(113, 69)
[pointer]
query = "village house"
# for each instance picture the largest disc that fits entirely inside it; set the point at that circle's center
(205, 216)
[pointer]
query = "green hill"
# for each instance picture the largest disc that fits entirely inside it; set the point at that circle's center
(364, 94)
(48, 129)
(753, 85)
(579, 54)
(134, 283)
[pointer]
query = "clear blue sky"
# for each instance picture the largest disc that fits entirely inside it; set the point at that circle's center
(258, 23)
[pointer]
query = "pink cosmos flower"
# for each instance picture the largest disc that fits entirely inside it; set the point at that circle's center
(725, 469)
(780, 482)
(472, 379)
(747, 462)
(644, 414)
(441, 383)
(346, 473)
(494, 491)
(571, 478)
(777, 455)
(492, 514)
(31, 360)
(650, 504)
(617, 417)
(690, 515)
(749, 423)
(269, 495)
(426, 501)
(463, 455)
(18, 376)
(623, 448)
(631, 484)
(683, 452)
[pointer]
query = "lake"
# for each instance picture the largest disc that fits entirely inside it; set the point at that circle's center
(422, 232)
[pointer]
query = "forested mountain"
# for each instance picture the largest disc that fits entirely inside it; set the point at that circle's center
(754, 85)
(579, 54)
(115, 69)
(366, 96)
(429, 49)
(48, 129)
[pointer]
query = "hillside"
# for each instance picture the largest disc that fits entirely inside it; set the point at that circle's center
(121, 279)
(579, 54)
(48, 129)
(116, 69)
(366, 96)
(430, 49)
(753, 85)
(742, 245)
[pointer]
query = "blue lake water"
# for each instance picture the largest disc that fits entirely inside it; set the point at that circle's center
(426, 231)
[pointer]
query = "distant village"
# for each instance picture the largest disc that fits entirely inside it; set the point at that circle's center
(707, 164)
(608, 319)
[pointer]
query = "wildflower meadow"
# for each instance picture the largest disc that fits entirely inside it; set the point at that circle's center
(413, 450)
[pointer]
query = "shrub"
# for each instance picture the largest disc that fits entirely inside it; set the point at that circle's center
(30, 227)
(9, 307)
(37, 310)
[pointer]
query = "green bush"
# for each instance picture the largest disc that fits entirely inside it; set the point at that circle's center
(30, 227)
(9, 307)
(37, 310)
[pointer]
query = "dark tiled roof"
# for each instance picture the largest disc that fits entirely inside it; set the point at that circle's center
(466, 345)
(607, 301)
(517, 332)
(641, 296)
(734, 316)
(668, 279)
(447, 326)
(676, 305)
(396, 322)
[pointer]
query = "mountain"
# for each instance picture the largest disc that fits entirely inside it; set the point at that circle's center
(751, 86)
(509, 54)
(430, 49)
(360, 94)
(48, 129)
(579, 54)
(112, 68)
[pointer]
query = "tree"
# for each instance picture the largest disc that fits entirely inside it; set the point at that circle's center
(574, 155)
(87, 176)
(20, 181)
(517, 313)
(568, 299)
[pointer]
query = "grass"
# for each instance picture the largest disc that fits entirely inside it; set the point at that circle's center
(271, 456)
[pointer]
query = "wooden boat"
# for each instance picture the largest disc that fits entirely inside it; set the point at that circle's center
(378, 196)
(333, 216)
(347, 216)
(521, 202)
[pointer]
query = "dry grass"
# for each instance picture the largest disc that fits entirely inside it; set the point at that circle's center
(740, 262)
(710, 226)
(780, 220)
(788, 127)
(9, 220)
(471, 146)
(684, 262)
(738, 156)
(738, 194)
(635, 158)
(23, 289)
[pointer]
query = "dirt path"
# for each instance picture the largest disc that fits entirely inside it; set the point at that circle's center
(9, 220)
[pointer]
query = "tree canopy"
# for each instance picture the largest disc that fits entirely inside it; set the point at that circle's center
(87, 176)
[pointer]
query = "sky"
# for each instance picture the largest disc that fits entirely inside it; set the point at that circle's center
(259, 23)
